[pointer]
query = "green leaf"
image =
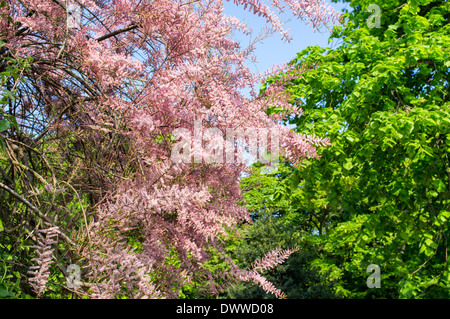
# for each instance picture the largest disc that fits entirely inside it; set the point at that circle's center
(348, 164)
(439, 186)
(4, 125)
(5, 293)
(443, 217)
(1, 226)
(10, 95)
(431, 194)
(2, 144)
(13, 121)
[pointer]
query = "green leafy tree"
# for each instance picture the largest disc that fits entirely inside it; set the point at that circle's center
(381, 193)
(295, 277)
(276, 226)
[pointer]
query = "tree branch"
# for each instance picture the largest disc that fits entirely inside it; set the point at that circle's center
(114, 33)
(35, 210)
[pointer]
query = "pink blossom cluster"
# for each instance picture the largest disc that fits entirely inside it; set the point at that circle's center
(44, 250)
(269, 261)
(316, 13)
(272, 259)
(138, 70)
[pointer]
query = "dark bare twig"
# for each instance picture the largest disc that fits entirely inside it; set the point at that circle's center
(119, 31)
(35, 210)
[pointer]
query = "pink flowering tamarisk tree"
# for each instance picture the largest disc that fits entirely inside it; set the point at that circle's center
(109, 83)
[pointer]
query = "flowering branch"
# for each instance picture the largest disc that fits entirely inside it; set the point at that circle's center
(44, 251)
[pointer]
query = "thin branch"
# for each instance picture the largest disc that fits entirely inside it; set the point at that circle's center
(25, 168)
(114, 33)
(35, 210)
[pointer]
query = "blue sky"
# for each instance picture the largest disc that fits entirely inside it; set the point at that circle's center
(274, 50)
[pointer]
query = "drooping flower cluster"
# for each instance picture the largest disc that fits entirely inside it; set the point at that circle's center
(44, 250)
(131, 74)
(269, 261)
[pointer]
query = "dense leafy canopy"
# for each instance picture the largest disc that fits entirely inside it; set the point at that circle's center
(381, 193)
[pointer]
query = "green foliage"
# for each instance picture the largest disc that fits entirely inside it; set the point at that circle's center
(383, 187)
(11, 271)
(216, 265)
(278, 223)
(16, 251)
(295, 277)
(9, 78)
